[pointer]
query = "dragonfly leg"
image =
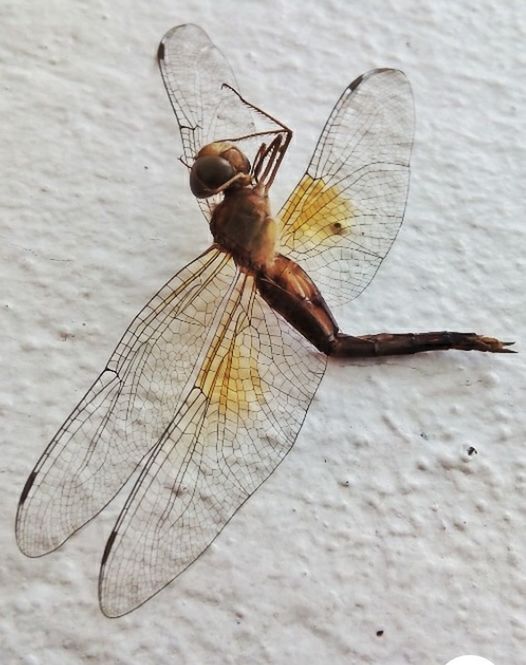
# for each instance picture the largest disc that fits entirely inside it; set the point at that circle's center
(275, 151)
(388, 344)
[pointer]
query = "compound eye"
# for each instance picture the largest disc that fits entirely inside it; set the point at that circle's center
(238, 160)
(208, 174)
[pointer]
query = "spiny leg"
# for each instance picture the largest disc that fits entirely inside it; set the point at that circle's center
(276, 149)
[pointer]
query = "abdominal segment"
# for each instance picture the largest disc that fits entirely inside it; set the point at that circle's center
(287, 288)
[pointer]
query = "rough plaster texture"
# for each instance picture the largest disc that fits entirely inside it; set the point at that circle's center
(379, 520)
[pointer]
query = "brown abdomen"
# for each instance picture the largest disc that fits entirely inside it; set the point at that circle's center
(287, 288)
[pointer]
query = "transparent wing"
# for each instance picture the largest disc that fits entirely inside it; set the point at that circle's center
(240, 418)
(126, 410)
(193, 72)
(343, 216)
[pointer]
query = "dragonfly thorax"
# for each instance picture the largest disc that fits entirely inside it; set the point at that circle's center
(217, 167)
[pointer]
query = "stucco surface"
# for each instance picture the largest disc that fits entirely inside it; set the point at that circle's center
(380, 540)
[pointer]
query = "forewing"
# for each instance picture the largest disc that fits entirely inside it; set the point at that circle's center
(126, 410)
(343, 216)
(239, 420)
(193, 72)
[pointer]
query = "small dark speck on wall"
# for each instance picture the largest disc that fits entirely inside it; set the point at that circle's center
(379, 633)
(472, 451)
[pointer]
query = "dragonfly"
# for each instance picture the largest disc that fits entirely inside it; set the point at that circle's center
(208, 388)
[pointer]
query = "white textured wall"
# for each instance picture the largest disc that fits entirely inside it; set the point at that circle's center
(378, 520)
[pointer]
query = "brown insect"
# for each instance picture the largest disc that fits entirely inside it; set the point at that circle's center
(208, 388)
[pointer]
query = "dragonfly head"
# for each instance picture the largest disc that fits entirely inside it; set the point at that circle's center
(218, 166)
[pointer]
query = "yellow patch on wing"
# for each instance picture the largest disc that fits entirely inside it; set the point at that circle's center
(316, 212)
(230, 375)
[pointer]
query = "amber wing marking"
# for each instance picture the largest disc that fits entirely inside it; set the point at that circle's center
(236, 424)
(320, 214)
(342, 218)
(126, 410)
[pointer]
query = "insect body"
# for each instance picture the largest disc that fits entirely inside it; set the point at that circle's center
(208, 388)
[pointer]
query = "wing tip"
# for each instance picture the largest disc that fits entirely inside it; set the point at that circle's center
(356, 82)
(27, 487)
(180, 28)
(374, 72)
(107, 547)
(111, 613)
